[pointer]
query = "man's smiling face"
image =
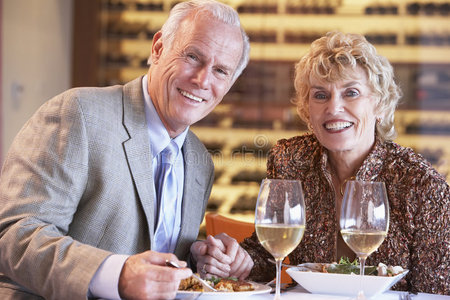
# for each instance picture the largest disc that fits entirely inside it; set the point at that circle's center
(187, 81)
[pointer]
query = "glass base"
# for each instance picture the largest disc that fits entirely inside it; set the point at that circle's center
(361, 296)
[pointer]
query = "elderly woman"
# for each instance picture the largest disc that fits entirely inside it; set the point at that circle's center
(347, 95)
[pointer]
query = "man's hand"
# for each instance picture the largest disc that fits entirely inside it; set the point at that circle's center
(221, 256)
(145, 276)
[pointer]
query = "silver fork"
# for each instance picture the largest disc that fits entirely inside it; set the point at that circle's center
(207, 287)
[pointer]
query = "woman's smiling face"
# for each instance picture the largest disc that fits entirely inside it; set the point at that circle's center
(342, 113)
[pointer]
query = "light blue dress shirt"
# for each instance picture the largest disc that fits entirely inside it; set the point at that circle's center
(105, 282)
(159, 140)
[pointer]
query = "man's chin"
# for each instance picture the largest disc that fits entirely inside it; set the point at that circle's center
(191, 120)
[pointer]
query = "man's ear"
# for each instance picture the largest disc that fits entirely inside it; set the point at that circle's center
(157, 47)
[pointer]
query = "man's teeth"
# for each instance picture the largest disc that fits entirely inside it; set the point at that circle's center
(190, 96)
(338, 125)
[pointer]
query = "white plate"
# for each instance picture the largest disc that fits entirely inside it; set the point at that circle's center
(258, 289)
(343, 284)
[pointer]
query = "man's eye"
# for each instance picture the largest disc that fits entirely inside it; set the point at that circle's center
(192, 56)
(221, 71)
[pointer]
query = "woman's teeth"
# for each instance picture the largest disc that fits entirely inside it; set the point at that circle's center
(190, 96)
(338, 125)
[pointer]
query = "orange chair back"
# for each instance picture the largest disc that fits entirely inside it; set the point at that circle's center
(239, 230)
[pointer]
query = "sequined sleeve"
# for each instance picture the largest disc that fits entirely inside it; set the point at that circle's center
(262, 271)
(430, 247)
(419, 198)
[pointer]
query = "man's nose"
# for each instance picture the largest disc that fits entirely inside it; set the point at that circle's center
(202, 78)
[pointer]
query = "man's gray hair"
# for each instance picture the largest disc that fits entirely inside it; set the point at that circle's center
(220, 11)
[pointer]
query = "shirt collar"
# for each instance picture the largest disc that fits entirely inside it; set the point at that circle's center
(159, 137)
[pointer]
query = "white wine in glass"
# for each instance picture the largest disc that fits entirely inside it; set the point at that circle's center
(364, 220)
(280, 219)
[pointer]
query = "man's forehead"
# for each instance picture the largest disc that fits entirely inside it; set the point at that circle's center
(206, 27)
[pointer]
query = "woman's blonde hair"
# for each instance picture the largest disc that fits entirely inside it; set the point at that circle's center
(330, 57)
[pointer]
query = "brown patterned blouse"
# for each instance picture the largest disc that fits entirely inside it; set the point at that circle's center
(419, 229)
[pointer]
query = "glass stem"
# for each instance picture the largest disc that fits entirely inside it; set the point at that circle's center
(278, 279)
(362, 264)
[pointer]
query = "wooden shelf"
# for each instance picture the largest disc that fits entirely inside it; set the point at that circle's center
(257, 111)
(235, 156)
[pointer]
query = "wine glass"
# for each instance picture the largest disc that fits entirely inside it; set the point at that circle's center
(280, 219)
(364, 220)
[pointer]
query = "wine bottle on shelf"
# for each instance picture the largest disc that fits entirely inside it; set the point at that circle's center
(413, 8)
(444, 9)
(430, 8)
(115, 5)
(149, 6)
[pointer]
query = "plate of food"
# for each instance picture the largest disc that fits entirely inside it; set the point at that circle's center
(222, 285)
(343, 278)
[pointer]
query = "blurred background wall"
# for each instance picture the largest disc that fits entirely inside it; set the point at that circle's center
(36, 53)
(51, 45)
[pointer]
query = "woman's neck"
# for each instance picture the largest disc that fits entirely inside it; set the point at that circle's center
(343, 166)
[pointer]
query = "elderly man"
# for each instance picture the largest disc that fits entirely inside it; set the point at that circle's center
(102, 185)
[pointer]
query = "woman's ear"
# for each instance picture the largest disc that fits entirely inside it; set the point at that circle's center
(157, 47)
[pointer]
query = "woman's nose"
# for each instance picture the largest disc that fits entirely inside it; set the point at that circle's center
(336, 104)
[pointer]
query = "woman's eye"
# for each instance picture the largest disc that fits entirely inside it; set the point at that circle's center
(352, 93)
(320, 96)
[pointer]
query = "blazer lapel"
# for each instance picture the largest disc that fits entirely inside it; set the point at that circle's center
(137, 148)
(137, 151)
(194, 204)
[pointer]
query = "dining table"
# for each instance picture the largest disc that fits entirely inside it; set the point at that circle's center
(299, 293)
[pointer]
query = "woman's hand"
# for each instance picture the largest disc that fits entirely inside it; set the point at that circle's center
(221, 256)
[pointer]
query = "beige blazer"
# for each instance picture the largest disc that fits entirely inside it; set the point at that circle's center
(77, 186)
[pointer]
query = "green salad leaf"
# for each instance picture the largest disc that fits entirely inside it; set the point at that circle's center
(346, 261)
(216, 280)
(345, 266)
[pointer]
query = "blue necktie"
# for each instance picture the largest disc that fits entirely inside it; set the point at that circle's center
(167, 196)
